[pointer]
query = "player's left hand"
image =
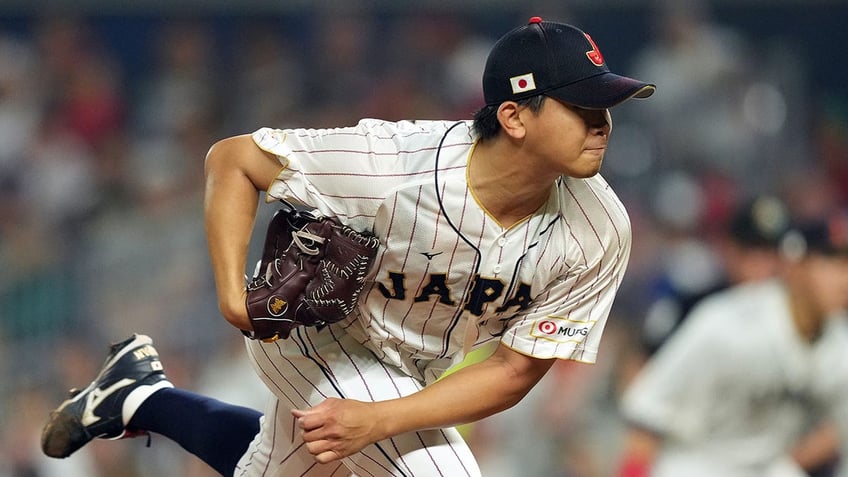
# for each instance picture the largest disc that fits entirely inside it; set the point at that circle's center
(337, 428)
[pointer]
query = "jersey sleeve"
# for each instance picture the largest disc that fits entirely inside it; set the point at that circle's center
(566, 320)
(320, 170)
(349, 172)
(344, 172)
(675, 392)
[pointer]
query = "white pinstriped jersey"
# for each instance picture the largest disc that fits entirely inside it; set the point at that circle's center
(543, 286)
(736, 386)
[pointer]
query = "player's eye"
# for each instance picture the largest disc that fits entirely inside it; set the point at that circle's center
(594, 118)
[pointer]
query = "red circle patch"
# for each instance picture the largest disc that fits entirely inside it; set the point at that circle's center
(548, 327)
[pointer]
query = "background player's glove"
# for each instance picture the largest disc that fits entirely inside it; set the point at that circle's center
(311, 273)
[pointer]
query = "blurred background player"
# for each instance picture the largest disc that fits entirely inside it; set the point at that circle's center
(745, 249)
(750, 371)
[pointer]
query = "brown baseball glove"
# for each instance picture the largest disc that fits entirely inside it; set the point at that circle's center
(311, 273)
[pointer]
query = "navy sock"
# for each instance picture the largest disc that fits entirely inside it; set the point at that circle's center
(215, 431)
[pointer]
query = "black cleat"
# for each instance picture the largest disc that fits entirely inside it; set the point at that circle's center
(98, 410)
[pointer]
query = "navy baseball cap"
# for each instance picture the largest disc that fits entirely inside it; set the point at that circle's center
(556, 60)
(760, 222)
(824, 236)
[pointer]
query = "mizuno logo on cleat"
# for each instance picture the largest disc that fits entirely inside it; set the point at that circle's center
(96, 398)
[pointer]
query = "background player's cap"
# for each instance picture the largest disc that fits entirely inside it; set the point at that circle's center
(826, 235)
(557, 60)
(760, 222)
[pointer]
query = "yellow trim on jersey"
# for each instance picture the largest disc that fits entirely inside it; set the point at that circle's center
(278, 178)
(284, 161)
(554, 357)
(480, 204)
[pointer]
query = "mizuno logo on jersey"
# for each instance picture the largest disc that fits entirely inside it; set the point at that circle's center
(430, 255)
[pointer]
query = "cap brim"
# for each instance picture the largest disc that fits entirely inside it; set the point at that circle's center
(602, 91)
(819, 238)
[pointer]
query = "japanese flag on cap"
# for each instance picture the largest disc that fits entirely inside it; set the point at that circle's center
(523, 83)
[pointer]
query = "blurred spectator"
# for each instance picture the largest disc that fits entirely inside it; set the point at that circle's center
(700, 67)
(268, 76)
(741, 100)
(181, 91)
(340, 66)
(80, 77)
(20, 107)
(125, 246)
(20, 454)
(59, 181)
(831, 136)
(83, 90)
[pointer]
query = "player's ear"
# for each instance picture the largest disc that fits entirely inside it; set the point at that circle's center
(510, 120)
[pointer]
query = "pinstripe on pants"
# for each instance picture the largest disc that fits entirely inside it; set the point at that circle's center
(316, 364)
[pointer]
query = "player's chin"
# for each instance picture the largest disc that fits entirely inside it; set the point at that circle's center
(588, 166)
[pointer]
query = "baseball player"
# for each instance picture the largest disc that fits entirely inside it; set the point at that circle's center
(497, 229)
(747, 251)
(750, 371)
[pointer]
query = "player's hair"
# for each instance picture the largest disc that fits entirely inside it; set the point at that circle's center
(486, 123)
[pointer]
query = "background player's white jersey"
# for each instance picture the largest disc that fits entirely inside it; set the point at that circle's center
(737, 386)
(543, 286)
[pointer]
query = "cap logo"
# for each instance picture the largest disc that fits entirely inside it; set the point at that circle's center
(594, 54)
(522, 83)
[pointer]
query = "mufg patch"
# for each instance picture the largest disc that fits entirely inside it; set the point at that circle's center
(560, 329)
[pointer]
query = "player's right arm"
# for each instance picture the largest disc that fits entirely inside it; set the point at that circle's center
(236, 171)
(337, 428)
